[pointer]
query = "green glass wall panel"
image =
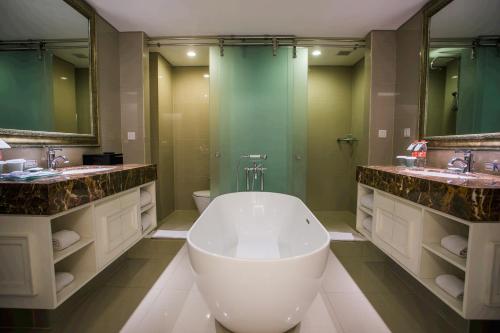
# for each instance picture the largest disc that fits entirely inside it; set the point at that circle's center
(258, 105)
(26, 90)
(479, 105)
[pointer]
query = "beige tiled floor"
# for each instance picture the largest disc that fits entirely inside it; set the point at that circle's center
(179, 220)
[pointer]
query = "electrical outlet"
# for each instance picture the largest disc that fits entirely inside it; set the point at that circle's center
(382, 133)
(406, 133)
(131, 135)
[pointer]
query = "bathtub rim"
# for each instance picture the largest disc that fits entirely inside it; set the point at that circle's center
(250, 260)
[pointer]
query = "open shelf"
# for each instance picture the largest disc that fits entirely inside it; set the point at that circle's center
(80, 280)
(441, 252)
(363, 212)
(437, 226)
(366, 210)
(82, 264)
(149, 188)
(433, 264)
(60, 255)
(152, 212)
(147, 207)
(454, 303)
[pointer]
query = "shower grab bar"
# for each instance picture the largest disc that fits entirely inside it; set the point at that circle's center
(347, 139)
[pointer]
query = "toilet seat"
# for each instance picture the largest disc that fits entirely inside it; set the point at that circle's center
(202, 194)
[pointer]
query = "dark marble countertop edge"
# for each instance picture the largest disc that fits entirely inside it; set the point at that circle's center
(475, 205)
(50, 198)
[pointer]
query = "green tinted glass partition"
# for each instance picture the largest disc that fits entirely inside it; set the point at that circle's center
(258, 105)
(26, 90)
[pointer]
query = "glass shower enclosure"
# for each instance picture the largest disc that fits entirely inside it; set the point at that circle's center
(258, 105)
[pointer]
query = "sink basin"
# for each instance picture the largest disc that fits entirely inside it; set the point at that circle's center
(84, 170)
(441, 174)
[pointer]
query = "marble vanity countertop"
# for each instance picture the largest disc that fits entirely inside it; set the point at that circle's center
(48, 196)
(475, 199)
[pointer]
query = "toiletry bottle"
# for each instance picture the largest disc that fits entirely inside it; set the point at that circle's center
(421, 154)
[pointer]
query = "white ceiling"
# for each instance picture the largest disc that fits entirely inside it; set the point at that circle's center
(467, 19)
(40, 19)
(325, 18)
(176, 56)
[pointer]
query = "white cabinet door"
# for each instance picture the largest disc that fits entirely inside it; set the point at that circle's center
(407, 234)
(117, 226)
(398, 230)
(382, 235)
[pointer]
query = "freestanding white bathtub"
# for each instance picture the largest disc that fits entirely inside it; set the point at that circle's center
(258, 258)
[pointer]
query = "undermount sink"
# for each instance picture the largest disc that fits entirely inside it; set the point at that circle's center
(442, 174)
(85, 170)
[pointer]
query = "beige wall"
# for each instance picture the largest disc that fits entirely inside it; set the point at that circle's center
(382, 79)
(330, 103)
(108, 76)
(162, 137)
(409, 38)
(359, 126)
(134, 97)
(63, 77)
(191, 145)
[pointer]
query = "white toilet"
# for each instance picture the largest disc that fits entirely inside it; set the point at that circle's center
(201, 199)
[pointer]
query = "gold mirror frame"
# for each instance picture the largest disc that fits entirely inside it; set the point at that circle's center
(40, 138)
(486, 141)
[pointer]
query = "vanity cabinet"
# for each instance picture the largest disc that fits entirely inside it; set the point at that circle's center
(411, 235)
(107, 227)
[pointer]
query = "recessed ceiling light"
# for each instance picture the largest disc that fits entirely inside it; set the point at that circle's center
(454, 77)
(206, 76)
(316, 53)
(191, 54)
(64, 78)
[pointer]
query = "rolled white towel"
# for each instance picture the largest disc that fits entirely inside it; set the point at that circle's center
(456, 244)
(367, 223)
(63, 279)
(146, 220)
(146, 198)
(451, 284)
(367, 200)
(64, 238)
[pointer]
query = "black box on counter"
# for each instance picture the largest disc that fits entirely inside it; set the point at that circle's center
(102, 159)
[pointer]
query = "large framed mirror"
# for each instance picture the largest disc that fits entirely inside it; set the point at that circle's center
(460, 74)
(48, 73)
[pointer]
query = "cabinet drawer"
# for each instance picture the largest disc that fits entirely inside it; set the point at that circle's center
(129, 199)
(406, 211)
(384, 202)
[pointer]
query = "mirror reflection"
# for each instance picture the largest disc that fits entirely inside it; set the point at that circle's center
(44, 67)
(464, 69)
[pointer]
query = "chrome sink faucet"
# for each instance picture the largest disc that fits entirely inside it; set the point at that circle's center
(466, 163)
(53, 160)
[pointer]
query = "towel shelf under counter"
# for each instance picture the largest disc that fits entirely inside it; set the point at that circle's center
(410, 234)
(26, 240)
